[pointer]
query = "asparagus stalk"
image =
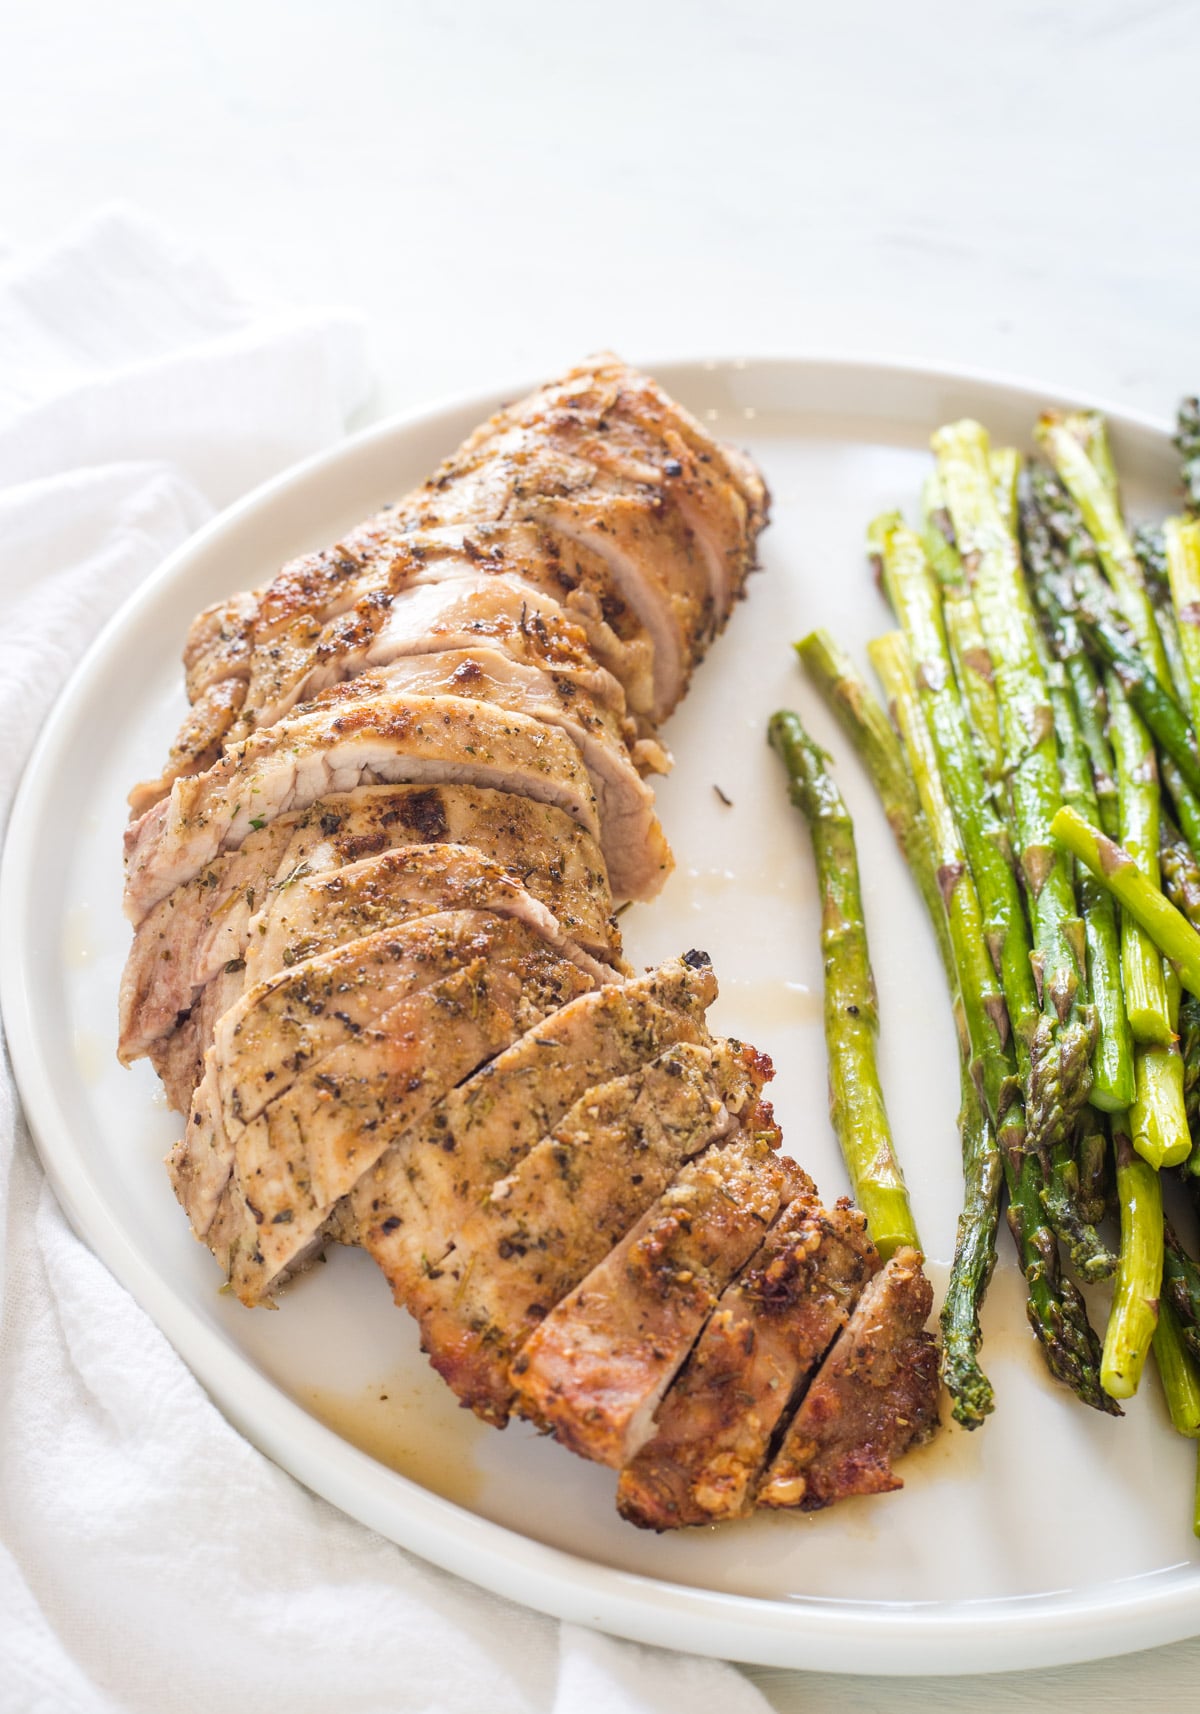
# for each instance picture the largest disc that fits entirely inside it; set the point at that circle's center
(1004, 464)
(1062, 1047)
(1054, 541)
(975, 1247)
(1112, 1057)
(1155, 701)
(973, 670)
(1181, 1289)
(1070, 442)
(1189, 1052)
(851, 1014)
(1137, 783)
(937, 534)
(1092, 1152)
(1177, 1372)
(915, 600)
(1134, 1313)
(1180, 872)
(1185, 801)
(869, 730)
(1151, 550)
(1182, 540)
(1158, 1116)
(1056, 1311)
(1114, 867)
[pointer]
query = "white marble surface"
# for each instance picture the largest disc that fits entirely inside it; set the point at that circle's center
(502, 187)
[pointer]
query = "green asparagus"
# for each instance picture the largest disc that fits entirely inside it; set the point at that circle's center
(1062, 1047)
(1056, 1310)
(1134, 1313)
(975, 1247)
(851, 1016)
(1114, 867)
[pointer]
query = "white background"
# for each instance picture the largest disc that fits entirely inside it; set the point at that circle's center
(501, 187)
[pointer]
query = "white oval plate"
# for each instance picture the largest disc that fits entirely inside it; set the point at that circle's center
(1051, 1535)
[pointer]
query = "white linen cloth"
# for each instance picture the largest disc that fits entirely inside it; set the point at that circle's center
(150, 1559)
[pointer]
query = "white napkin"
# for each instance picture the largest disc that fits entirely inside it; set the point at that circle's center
(150, 1559)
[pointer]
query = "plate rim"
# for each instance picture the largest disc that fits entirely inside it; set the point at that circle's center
(898, 1639)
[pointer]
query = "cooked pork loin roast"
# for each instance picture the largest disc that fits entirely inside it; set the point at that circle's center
(376, 965)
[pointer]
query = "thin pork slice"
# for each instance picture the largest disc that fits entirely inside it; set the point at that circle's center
(206, 728)
(772, 1326)
(220, 642)
(449, 603)
(290, 1164)
(286, 1030)
(595, 1370)
(875, 1396)
(290, 1023)
(410, 1209)
(318, 912)
(348, 738)
(188, 939)
(558, 1213)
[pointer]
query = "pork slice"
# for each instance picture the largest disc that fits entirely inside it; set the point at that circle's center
(574, 576)
(411, 1207)
(717, 489)
(607, 459)
(289, 1024)
(610, 399)
(318, 912)
(200, 740)
(179, 1056)
(314, 914)
(548, 1222)
(449, 604)
(317, 586)
(290, 1163)
(625, 804)
(876, 1395)
(287, 1029)
(219, 643)
(772, 1326)
(348, 738)
(312, 1145)
(185, 943)
(595, 1370)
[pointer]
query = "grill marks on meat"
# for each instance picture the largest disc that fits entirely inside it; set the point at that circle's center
(376, 964)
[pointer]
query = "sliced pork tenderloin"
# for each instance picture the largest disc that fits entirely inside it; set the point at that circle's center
(347, 738)
(280, 1147)
(187, 941)
(875, 1396)
(771, 1328)
(547, 1223)
(412, 1206)
(596, 1369)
